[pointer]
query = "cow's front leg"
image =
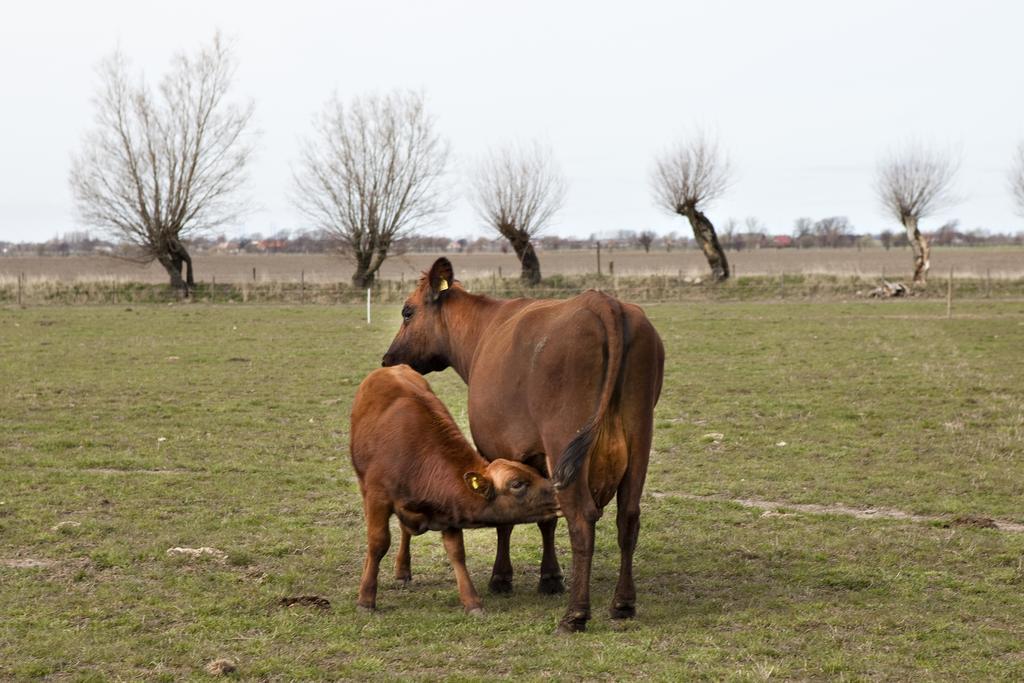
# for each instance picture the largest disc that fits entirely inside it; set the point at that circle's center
(501, 574)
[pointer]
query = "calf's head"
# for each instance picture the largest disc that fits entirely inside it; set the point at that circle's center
(422, 340)
(514, 493)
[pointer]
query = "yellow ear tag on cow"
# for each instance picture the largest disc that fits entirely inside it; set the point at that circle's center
(474, 482)
(443, 286)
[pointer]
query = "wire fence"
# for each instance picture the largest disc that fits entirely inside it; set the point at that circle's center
(20, 290)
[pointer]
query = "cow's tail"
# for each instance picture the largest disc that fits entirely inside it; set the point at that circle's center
(571, 460)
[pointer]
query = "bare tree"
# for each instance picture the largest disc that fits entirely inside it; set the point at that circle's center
(729, 231)
(912, 183)
(516, 191)
(645, 238)
(669, 241)
(833, 231)
(157, 168)
(885, 237)
(803, 232)
(1017, 178)
(686, 179)
(371, 174)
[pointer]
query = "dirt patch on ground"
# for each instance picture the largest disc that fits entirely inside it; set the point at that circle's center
(26, 563)
(772, 508)
(975, 521)
(305, 601)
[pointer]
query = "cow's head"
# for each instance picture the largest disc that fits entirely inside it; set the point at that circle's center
(514, 492)
(422, 340)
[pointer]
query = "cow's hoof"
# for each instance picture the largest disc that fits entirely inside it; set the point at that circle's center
(366, 609)
(404, 580)
(623, 610)
(476, 612)
(551, 585)
(567, 626)
(501, 585)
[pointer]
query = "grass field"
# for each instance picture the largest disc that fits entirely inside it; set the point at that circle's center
(126, 431)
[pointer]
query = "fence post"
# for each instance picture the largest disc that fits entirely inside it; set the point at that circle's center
(598, 259)
(782, 284)
(254, 273)
(21, 278)
(988, 283)
(302, 286)
(367, 306)
(949, 295)
(611, 268)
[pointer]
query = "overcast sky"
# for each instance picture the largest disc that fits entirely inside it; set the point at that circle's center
(804, 95)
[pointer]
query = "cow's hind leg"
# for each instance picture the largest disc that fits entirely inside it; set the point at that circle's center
(456, 550)
(642, 383)
(378, 539)
(580, 517)
(403, 561)
(628, 521)
(551, 580)
(501, 574)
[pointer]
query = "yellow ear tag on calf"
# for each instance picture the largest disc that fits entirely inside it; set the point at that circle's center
(474, 482)
(443, 286)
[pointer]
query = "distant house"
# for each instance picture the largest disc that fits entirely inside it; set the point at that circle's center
(273, 246)
(782, 241)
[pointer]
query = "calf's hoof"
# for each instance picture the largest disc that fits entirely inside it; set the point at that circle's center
(623, 610)
(500, 585)
(476, 612)
(404, 579)
(366, 609)
(551, 585)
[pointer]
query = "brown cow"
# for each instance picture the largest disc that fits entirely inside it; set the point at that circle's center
(568, 386)
(412, 460)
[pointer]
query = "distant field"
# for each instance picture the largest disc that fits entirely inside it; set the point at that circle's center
(1000, 263)
(129, 430)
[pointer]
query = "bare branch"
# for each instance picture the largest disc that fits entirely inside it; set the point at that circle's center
(914, 182)
(691, 175)
(517, 190)
(371, 174)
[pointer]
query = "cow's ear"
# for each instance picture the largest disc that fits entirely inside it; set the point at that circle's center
(479, 484)
(440, 278)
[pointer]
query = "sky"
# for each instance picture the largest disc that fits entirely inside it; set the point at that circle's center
(804, 96)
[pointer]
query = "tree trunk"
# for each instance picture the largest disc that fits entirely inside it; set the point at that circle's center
(172, 265)
(707, 240)
(363, 276)
(174, 260)
(530, 274)
(919, 246)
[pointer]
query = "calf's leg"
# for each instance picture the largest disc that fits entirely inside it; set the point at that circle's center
(501, 574)
(456, 550)
(403, 562)
(378, 539)
(551, 580)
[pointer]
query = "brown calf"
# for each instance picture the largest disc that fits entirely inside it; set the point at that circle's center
(569, 386)
(412, 461)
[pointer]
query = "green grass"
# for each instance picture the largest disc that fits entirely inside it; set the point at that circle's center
(226, 426)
